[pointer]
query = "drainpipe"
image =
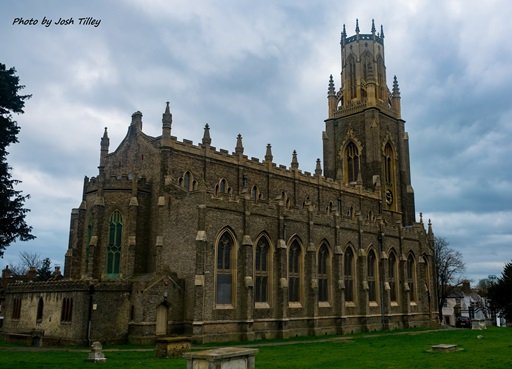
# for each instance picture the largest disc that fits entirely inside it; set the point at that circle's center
(89, 317)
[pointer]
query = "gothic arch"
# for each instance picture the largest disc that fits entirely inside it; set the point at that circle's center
(372, 274)
(381, 78)
(226, 251)
(411, 276)
(295, 270)
(187, 182)
(263, 267)
(324, 271)
(222, 187)
(393, 274)
(352, 76)
(350, 272)
(114, 247)
(351, 151)
(366, 64)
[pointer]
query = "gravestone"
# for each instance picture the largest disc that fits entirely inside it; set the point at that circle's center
(96, 354)
(222, 358)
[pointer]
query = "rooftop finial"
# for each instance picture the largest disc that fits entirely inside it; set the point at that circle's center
(268, 153)
(167, 116)
(137, 120)
(295, 163)
(343, 35)
(318, 169)
(357, 26)
(331, 90)
(105, 133)
(373, 27)
(206, 136)
(396, 89)
(239, 149)
(381, 32)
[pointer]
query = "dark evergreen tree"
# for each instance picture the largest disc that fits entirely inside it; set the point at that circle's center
(12, 210)
(500, 293)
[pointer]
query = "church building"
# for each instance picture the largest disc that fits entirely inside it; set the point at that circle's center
(176, 238)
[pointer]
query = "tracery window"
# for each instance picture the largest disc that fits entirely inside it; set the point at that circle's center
(352, 157)
(352, 76)
(261, 270)
(411, 277)
(372, 276)
(388, 164)
(323, 273)
(349, 274)
(381, 78)
(294, 272)
(114, 243)
(224, 286)
(392, 266)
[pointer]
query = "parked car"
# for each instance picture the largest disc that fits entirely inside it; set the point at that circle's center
(463, 322)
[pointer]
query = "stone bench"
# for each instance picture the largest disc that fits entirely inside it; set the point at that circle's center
(222, 358)
(172, 346)
(33, 338)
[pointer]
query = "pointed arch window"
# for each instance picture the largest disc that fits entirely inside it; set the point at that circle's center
(372, 276)
(222, 186)
(186, 181)
(88, 244)
(349, 267)
(392, 266)
(114, 243)
(366, 60)
(323, 273)
(352, 76)
(411, 277)
(16, 308)
(352, 157)
(224, 284)
(294, 272)
(381, 78)
(427, 273)
(254, 193)
(261, 270)
(66, 313)
(388, 164)
(40, 308)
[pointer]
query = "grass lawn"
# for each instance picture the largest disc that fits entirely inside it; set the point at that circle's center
(407, 350)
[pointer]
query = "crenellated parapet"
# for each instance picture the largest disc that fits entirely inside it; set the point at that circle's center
(123, 182)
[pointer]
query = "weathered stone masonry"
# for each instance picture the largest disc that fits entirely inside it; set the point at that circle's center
(176, 238)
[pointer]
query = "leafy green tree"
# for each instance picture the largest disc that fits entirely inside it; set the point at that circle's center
(500, 292)
(12, 210)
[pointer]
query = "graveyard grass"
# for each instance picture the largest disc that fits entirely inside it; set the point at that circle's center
(490, 349)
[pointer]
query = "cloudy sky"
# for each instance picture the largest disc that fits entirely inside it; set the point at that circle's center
(261, 68)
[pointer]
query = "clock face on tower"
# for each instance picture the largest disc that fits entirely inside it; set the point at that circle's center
(389, 197)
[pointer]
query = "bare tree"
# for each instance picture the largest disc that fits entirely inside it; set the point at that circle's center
(32, 260)
(449, 269)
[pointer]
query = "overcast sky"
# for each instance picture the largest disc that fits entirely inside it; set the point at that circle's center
(261, 68)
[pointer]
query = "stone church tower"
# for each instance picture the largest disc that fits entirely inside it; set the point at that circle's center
(365, 142)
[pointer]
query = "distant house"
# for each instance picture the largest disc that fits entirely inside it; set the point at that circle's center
(466, 302)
